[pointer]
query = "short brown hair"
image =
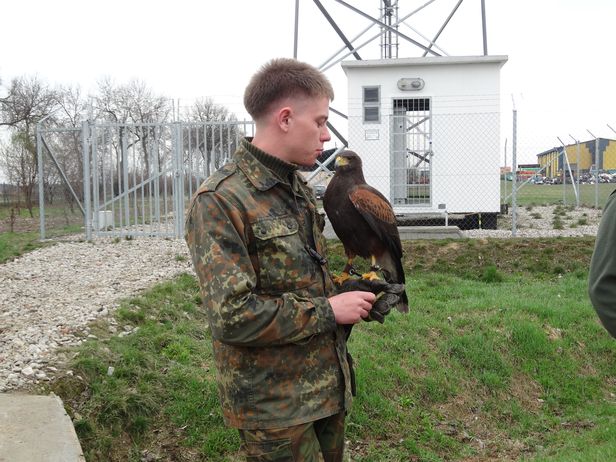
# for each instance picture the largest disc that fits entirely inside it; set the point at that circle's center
(282, 78)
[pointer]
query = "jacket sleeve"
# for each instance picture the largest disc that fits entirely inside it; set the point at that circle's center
(602, 274)
(237, 313)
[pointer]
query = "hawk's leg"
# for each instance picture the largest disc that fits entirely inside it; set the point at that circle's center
(348, 269)
(371, 275)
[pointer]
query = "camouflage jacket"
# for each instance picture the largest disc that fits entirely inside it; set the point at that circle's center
(602, 273)
(280, 356)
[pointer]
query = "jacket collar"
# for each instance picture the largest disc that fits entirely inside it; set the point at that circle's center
(262, 169)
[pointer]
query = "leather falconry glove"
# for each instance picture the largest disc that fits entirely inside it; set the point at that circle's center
(388, 295)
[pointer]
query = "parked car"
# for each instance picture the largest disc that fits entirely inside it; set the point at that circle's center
(319, 190)
(538, 180)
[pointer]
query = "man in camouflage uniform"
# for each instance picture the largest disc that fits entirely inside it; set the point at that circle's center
(256, 242)
(602, 274)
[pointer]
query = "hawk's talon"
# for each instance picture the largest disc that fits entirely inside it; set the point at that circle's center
(340, 279)
(370, 276)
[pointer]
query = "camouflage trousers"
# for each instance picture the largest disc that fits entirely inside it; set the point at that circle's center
(319, 441)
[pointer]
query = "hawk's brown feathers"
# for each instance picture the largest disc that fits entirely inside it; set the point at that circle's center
(364, 221)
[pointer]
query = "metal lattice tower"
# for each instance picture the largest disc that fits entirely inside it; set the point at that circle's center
(389, 39)
(394, 39)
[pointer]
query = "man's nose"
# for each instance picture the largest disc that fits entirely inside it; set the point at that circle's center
(325, 135)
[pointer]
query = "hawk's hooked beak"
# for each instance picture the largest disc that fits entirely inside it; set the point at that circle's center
(340, 161)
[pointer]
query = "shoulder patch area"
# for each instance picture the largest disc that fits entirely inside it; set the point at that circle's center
(212, 182)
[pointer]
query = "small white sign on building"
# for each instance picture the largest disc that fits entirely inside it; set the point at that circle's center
(371, 134)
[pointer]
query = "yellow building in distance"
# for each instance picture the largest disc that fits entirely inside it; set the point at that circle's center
(553, 162)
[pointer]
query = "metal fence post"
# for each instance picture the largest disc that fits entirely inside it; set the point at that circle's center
(505, 176)
(125, 189)
(86, 180)
(41, 185)
(95, 183)
(565, 159)
(568, 166)
(178, 180)
(577, 170)
(514, 168)
(596, 169)
(577, 173)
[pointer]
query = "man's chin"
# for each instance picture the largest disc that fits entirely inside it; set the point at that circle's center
(309, 162)
(306, 165)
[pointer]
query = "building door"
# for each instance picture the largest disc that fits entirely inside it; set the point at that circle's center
(411, 153)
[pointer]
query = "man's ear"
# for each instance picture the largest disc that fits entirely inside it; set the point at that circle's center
(283, 117)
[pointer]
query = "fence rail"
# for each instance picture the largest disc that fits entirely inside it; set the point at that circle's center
(136, 179)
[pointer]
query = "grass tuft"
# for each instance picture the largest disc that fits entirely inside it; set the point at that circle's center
(557, 223)
(491, 274)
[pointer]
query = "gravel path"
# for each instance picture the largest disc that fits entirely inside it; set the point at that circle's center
(538, 221)
(47, 297)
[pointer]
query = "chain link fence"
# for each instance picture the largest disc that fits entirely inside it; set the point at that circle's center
(475, 170)
(563, 173)
(435, 169)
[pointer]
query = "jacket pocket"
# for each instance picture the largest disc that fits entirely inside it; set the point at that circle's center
(284, 263)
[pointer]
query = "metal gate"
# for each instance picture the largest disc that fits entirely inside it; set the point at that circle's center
(411, 156)
(138, 178)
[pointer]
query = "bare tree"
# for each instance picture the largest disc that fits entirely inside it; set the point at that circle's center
(28, 101)
(67, 145)
(220, 133)
(72, 105)
(134, 107)
(16, 163)
(206, 110)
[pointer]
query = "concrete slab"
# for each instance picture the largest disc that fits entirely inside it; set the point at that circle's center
(429, 232)
(36, 429)
(411, 232)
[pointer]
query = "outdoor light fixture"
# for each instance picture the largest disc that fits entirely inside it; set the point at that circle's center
(411, 84)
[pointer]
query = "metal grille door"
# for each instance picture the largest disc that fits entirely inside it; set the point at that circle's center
(411, 154)
(134, 181)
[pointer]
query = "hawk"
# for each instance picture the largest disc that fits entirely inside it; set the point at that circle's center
(365, 223)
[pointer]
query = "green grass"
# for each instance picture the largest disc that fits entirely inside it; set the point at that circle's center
(541, 194)
(500, 358)
(162, 387)
(13, 245)
(57, 210)
(26, 231)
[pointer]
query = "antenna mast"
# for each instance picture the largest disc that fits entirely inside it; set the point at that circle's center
(389, 39)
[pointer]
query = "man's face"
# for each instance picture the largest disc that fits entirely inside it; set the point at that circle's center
(307, 130)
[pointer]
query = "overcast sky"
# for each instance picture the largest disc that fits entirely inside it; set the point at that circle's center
(560, 71)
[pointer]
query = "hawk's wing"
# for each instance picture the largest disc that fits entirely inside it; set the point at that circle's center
(379, 214)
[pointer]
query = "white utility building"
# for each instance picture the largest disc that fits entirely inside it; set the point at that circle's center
(428, 131)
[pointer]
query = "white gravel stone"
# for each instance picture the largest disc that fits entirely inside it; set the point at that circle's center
(537, 221)
(27, 371)
(48, 296)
